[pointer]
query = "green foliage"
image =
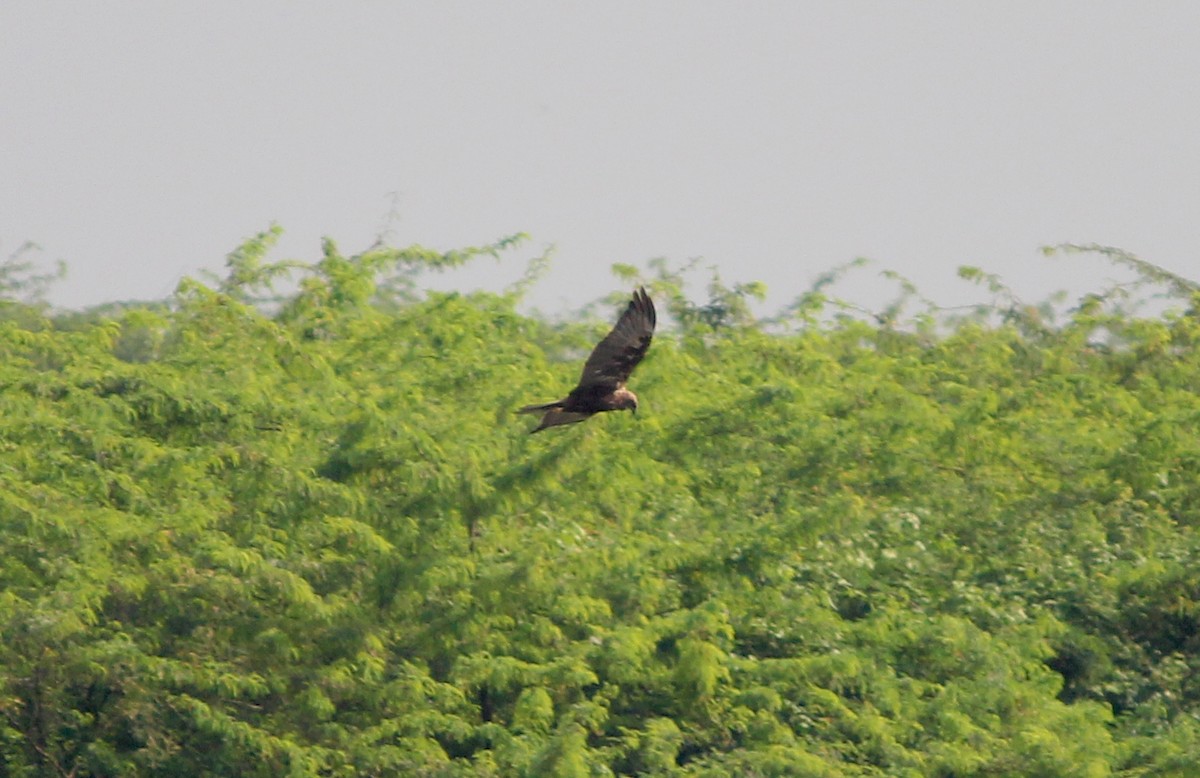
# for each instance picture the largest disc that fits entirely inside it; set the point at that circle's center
(305, 535)
(23, 288)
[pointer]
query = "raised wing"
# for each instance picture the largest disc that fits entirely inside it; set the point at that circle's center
(615, 357)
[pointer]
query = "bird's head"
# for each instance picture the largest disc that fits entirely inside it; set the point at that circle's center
(623, 400)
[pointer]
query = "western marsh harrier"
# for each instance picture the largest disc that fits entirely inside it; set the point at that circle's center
(602, 385)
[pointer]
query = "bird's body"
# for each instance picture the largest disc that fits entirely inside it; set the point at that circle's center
(602, 386)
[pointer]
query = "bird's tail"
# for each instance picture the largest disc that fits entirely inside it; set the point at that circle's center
(540, 408)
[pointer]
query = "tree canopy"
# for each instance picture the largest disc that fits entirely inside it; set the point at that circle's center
(259, 533)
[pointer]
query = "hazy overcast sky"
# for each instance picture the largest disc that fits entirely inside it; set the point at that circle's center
(142, 141)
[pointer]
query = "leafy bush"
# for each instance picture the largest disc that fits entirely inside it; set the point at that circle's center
(303, 534)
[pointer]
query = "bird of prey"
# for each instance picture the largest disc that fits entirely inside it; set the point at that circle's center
(602, 385)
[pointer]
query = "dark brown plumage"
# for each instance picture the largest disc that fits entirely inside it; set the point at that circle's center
(602, 385)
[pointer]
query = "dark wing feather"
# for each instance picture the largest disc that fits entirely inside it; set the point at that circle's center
(615, 357)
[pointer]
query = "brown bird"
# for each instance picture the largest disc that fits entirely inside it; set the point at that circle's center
(602, 385)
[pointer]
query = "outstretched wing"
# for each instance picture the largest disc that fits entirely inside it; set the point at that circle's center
(615, 357)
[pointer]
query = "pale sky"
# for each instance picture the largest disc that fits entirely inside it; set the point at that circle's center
(142, 141)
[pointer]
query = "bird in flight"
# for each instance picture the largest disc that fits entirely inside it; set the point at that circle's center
(602, 385)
